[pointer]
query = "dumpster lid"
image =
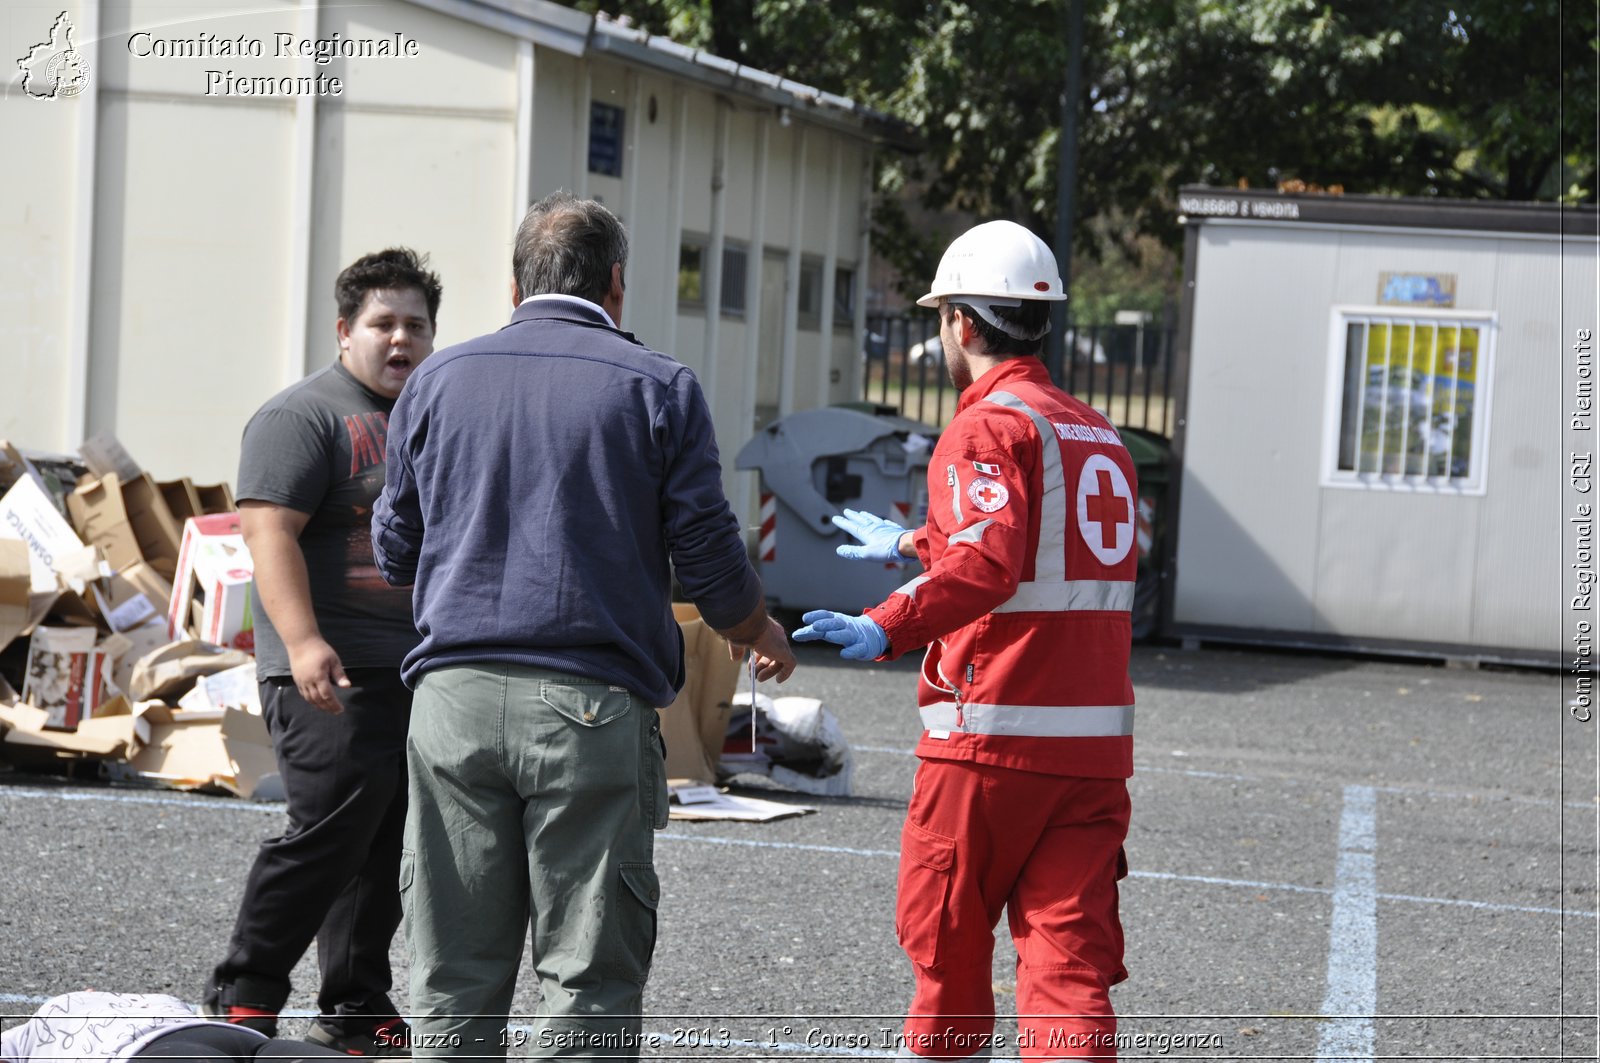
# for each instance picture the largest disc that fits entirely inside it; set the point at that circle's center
(786, 449)
(808, 435)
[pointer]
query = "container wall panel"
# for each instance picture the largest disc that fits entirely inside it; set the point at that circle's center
(452, 205)
(191, 273)
(556, 92)
(1250, 495)
(700, 142)
(782, 183)
(39, 228)
(738, 193)
(1399, 564)
(652, 289)
(1527, 469)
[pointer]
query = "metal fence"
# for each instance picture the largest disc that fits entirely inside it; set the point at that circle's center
(1123, 370)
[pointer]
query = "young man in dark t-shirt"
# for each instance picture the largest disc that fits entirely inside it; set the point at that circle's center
(330, 636)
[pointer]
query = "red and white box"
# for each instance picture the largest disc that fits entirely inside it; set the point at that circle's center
(211, 592)
(66, 675)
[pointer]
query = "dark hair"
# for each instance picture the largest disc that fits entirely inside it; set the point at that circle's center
(1031, 316)
(392, 269)
(567, 246)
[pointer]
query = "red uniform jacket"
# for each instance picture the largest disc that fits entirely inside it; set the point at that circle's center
(1030, 565)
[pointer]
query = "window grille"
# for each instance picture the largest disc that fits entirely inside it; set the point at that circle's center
(1411, 400)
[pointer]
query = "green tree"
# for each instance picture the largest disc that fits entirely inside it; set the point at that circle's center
(1476, 98)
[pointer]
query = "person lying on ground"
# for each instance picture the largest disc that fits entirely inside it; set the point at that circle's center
(91, 1027)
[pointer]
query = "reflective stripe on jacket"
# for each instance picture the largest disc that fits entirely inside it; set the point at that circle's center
(1024, 607)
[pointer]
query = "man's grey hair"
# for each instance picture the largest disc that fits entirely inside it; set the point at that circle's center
(567, 246)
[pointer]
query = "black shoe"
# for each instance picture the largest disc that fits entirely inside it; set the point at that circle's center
(391, 1039)
(250, 1018)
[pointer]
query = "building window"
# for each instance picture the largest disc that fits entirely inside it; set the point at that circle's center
(605, 139)
(810, 295)
(735, 264)
(844, 297)
(1412, 400)
(691, 276)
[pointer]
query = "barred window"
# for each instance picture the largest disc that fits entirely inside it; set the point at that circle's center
(1411, 399)
(691, 291)
(735, 263)
(810, 294)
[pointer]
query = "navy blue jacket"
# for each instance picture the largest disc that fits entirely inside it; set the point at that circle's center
(539, 480)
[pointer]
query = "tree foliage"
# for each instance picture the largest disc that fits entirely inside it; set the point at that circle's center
(1475, 98)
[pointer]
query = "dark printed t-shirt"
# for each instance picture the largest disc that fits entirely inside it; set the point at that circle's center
(318, 447)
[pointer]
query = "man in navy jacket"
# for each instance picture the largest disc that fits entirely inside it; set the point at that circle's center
(545, 484)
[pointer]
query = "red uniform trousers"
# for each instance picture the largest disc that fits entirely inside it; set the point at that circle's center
(1048, 848)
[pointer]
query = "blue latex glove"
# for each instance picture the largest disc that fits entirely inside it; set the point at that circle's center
(861, 637)
(880, 538)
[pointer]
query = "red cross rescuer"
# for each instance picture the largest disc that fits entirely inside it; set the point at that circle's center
(1021, 798)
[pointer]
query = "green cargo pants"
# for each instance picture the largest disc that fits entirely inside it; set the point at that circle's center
(534, 795)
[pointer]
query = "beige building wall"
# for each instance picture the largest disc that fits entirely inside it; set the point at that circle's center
(172, 248)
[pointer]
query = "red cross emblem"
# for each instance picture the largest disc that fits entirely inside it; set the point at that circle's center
(1105, 509)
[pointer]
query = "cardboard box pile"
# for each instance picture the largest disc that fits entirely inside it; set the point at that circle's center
(127, 640)
(102, 664)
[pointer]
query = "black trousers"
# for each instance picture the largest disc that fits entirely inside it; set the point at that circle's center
(334, 874)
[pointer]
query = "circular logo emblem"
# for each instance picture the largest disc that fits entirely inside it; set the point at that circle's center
(1105, 509)
(68, 71)
(988, 495)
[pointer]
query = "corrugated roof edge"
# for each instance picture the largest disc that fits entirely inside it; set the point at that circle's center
(667, 55)
(544, 23)
(1198, 203)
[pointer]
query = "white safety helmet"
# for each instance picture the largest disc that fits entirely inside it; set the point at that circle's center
(998, 263)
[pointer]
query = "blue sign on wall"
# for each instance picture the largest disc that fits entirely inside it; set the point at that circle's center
(1417, 289)
(605, 139)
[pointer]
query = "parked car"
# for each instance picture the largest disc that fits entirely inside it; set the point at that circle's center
(874, 346)
(929, 353)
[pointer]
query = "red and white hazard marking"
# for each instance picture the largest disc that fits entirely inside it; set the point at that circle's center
(1146, 532)
(769, 527)
(1105, 509)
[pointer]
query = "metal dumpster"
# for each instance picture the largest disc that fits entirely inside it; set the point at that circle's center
(817, 463)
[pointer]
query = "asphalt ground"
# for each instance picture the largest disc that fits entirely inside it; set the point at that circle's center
(1331, 857)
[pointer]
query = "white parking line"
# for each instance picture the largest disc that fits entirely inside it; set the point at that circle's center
(278, 808)
(1352, 997)
(1231, 776)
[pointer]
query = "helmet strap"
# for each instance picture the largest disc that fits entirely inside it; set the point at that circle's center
(983, 310)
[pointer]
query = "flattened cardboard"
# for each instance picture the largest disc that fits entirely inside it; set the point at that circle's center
(183, 755)
(150, 583)
(255, 765)
(105, 455)
(27, 514)
(129, 521)
(693, 726)
(215, 498)
(116, 733)
(100, 516)
(16, 586)
(171, 670)
(234, 755)
(181, 498)
(158, 533)
(126, 648)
